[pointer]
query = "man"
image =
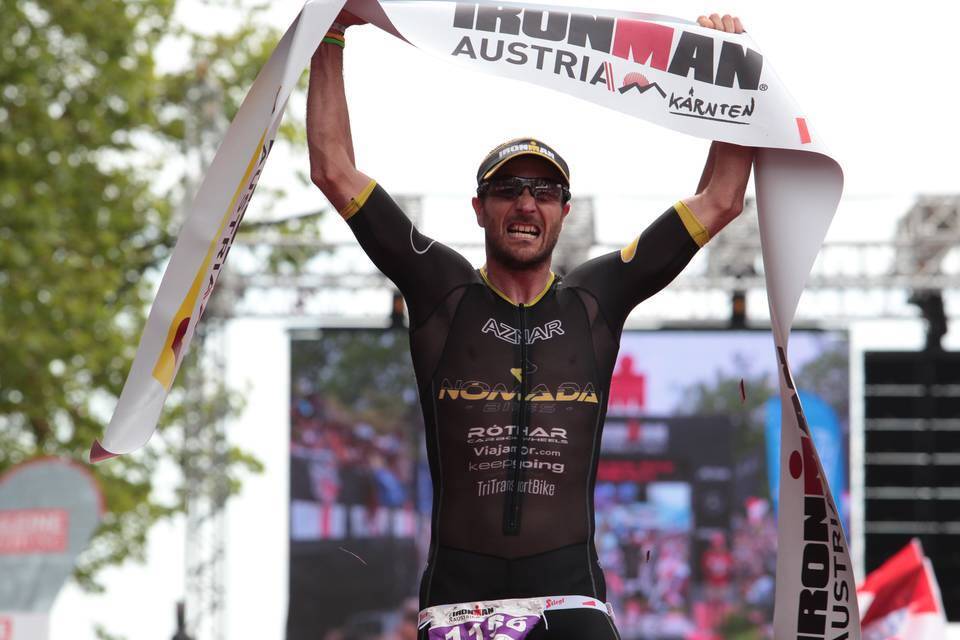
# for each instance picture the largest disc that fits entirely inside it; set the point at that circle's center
(513, 364)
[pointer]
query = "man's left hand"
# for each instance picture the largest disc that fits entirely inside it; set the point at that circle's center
(726, 23)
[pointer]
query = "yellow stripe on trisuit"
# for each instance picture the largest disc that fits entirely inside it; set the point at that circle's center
(483, 274)
(627, 253)
(355, 203)
(696, 230)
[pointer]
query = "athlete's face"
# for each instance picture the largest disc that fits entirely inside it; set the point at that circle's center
(522, 232)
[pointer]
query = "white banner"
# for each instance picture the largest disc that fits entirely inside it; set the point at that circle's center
(208, 231)
(664, 70)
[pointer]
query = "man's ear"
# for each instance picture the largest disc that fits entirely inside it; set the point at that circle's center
(478, 209)
(566, 210)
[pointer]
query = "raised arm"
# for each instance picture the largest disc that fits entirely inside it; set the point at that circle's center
(719, 197)
(332, 165)
(425, 271)
(621, 280)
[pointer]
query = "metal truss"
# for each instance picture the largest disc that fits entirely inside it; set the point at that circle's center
(849, 281)
(206, 486)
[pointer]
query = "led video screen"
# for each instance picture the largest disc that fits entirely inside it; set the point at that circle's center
(685, 495)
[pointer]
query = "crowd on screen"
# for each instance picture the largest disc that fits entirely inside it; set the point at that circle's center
(650, 575)
(348, 461)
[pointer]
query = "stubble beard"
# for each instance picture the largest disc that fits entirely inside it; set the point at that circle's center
(501, 253)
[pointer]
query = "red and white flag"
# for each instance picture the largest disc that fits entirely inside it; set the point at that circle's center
(900, 600)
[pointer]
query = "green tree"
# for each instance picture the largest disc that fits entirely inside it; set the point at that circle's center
(828, 376)
(722, 396)
(378, 362)
(92, 163)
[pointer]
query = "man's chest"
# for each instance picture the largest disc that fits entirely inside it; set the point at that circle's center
(540, 355)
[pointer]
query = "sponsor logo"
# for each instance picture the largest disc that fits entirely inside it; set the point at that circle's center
(532, 486)
(824, 546)
(495, 433)
(226, 239)
(499, 450)
(554, 602)
(477, 390)
(530, 465)
(527, 146)
(570, 38)
(693, 107)
(638, 83)
(505, 332)
(462, 614)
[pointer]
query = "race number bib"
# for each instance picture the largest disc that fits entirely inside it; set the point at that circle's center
(496, 626)
(493, 620)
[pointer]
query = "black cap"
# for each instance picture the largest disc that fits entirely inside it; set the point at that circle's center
(520, 147)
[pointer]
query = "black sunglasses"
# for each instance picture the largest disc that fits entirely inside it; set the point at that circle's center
(510, 188)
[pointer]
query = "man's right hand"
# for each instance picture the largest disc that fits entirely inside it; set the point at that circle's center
(727, 23)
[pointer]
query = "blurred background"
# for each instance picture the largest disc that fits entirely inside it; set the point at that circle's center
(286, 489)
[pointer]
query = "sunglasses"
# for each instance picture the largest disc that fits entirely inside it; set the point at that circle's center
(509, 188)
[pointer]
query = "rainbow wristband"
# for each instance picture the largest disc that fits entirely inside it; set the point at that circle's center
(333, 37)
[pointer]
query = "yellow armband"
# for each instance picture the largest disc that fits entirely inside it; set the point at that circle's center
(355, 203)
(696, 230)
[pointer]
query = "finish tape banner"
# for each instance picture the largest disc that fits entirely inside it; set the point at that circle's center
(668, 71)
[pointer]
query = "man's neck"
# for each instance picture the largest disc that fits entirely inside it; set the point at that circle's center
(519, 285)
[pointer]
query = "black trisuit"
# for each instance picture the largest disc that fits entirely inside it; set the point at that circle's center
(513, 400)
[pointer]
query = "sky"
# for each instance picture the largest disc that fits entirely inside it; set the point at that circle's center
(875, 79)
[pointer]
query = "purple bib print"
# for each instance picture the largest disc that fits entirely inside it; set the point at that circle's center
(511, 619)
(496, 626)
